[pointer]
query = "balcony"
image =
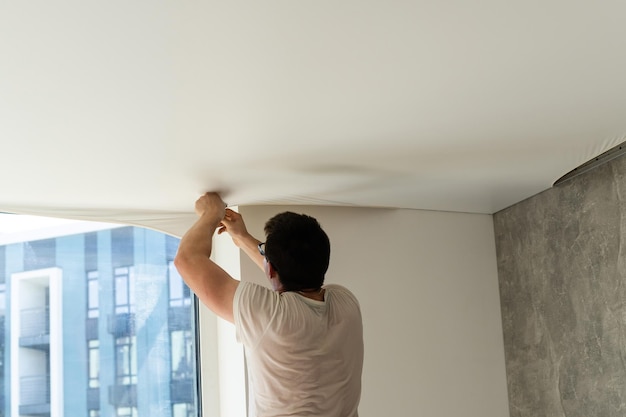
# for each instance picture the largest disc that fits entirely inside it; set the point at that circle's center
(123, 395)
(93, 398)
(91, 328)
(182, 390)
(179, 318)
(35, 328)
(35, 395)
(121, 325)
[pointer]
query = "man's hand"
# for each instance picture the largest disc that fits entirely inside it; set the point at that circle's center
(233, 224)
(211, 204)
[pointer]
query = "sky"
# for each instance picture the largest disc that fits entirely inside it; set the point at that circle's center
(13, 223)
(21, 228)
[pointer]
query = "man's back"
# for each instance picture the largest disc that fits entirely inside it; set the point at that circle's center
(304, 356)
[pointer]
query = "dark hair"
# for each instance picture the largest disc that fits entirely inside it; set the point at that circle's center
(298, 249)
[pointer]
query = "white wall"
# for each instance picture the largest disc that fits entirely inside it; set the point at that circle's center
(428, 288)
(28, 291)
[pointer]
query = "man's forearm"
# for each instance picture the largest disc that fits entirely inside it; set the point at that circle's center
(199, 238)
(194, 250)
(250, 246)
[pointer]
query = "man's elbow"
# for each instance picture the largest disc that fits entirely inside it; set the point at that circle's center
(182, 262)
(189, 264)
(188, 269)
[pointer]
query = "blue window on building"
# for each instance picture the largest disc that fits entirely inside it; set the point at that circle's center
(127, 412)
(182, 351)
(93, 294)
(94, 363)
(126, 360)
(124, 290)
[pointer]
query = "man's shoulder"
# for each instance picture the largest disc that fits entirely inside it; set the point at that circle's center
(340, 290)
(247, 289)
(253, 304)
(336, 287)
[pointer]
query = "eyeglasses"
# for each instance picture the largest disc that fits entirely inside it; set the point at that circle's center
(261, 247)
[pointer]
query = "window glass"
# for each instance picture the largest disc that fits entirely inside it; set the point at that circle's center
(182, 354)
(127, 412)
(125, 354)
(180, 294)
(116, 289)
(124, 289)
(92, 294)
(182, 410)
(94, 363)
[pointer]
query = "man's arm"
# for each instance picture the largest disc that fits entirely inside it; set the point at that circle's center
(214, 287)
(233, 224)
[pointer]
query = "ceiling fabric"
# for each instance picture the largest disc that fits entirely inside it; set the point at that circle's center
(172, 223)
(127, 112)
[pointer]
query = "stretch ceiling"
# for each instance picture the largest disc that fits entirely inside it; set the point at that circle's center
(127, 111)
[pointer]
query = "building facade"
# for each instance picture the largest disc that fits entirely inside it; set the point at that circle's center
(96, 324)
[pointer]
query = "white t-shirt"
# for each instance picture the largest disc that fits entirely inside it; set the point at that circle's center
(304, 356)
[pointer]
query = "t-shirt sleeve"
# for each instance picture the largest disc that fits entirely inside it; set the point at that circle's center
(254, 306)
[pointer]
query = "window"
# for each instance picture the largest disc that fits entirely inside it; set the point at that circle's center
(182, 348)
(124, 290)
(127, 412)
(111, 287)
(126, 360)
(94, 363)
(183, 410)
(180, 295)
(93, 292)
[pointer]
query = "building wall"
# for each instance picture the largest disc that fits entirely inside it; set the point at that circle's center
(107, 347)
(74, 314)
(428, 289)
(153, 344)
(562, 269)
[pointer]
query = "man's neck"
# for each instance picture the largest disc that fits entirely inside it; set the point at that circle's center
(313, 294)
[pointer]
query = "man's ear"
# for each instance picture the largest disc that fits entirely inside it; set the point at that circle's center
(271, 270)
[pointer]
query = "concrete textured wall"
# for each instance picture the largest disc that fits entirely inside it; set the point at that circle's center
(562, 267)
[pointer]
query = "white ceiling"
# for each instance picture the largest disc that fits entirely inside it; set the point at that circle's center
(129, 110)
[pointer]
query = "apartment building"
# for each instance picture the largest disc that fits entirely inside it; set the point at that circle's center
(97, 323)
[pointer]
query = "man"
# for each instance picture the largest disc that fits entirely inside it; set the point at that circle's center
(303, 341)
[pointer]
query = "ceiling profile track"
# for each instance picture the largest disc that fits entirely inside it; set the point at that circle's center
(601, 159)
